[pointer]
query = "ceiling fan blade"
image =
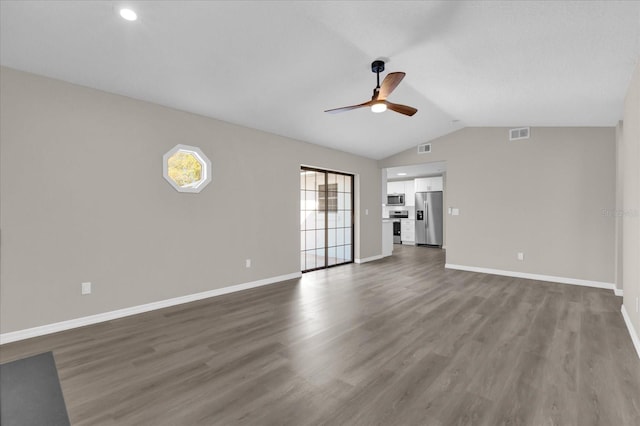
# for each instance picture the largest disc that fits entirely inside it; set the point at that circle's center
(390, 82)
(348, 108)
(402, 109)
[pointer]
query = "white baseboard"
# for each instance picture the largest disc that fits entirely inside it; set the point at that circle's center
(632, 331)
(133, 310)
(369, 259)
(618, 292)
(549, 278)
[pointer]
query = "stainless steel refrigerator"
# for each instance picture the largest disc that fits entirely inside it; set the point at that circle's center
(429, 218)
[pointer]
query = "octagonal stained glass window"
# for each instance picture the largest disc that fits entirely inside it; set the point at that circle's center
(186, 168)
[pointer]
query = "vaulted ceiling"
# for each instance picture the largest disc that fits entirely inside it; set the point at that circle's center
(276, 66)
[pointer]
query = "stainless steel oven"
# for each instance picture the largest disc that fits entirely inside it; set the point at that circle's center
(397, 237)
(397, 215)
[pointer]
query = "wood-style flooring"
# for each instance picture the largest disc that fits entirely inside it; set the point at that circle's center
(399, 341)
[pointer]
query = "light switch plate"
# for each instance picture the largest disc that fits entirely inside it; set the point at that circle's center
(86, 288)
(455, 212)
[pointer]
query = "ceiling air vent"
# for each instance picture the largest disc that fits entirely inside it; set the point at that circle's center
(424, 148)
(519, 133)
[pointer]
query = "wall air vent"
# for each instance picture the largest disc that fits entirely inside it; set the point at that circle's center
(424, 148)
(519, 133)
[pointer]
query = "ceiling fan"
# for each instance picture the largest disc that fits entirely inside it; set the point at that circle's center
(378, 102)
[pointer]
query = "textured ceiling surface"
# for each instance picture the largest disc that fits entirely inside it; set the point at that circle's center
(276, 66)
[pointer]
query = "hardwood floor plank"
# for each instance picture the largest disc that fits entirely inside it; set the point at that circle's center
(399, 341)
(596, 390)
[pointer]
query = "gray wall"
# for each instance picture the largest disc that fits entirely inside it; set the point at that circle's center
(544, 196)
(83, 199)
(631, 200)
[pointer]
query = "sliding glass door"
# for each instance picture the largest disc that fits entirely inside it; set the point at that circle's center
(326, 219)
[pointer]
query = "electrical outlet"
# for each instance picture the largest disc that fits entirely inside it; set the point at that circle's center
(455, 212)
(85, 289)
(520, 255)
(247, 263)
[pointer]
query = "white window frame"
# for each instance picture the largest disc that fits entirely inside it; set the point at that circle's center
(202, 159)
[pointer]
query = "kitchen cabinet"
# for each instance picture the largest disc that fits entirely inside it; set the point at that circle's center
(438, 183)
(406, 187)
(429, 184)
(395, 187)
(421, 184)
(387, 238)
(409, 193)
(408, 231)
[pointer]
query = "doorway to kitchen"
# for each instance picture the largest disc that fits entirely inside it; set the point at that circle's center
(326, 219)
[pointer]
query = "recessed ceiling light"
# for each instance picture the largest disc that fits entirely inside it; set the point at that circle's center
(402, 174)
(128, 14)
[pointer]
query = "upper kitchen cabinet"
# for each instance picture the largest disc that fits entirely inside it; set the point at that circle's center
(405, 187)
(429, 184)
(409, 193)
(395, 188)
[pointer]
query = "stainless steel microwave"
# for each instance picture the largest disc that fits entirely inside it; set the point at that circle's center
(395, 199)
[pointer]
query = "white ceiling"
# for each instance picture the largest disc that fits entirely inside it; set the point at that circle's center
(276, 66)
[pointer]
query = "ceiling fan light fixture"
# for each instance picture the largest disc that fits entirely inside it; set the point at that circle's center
(378, 107)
